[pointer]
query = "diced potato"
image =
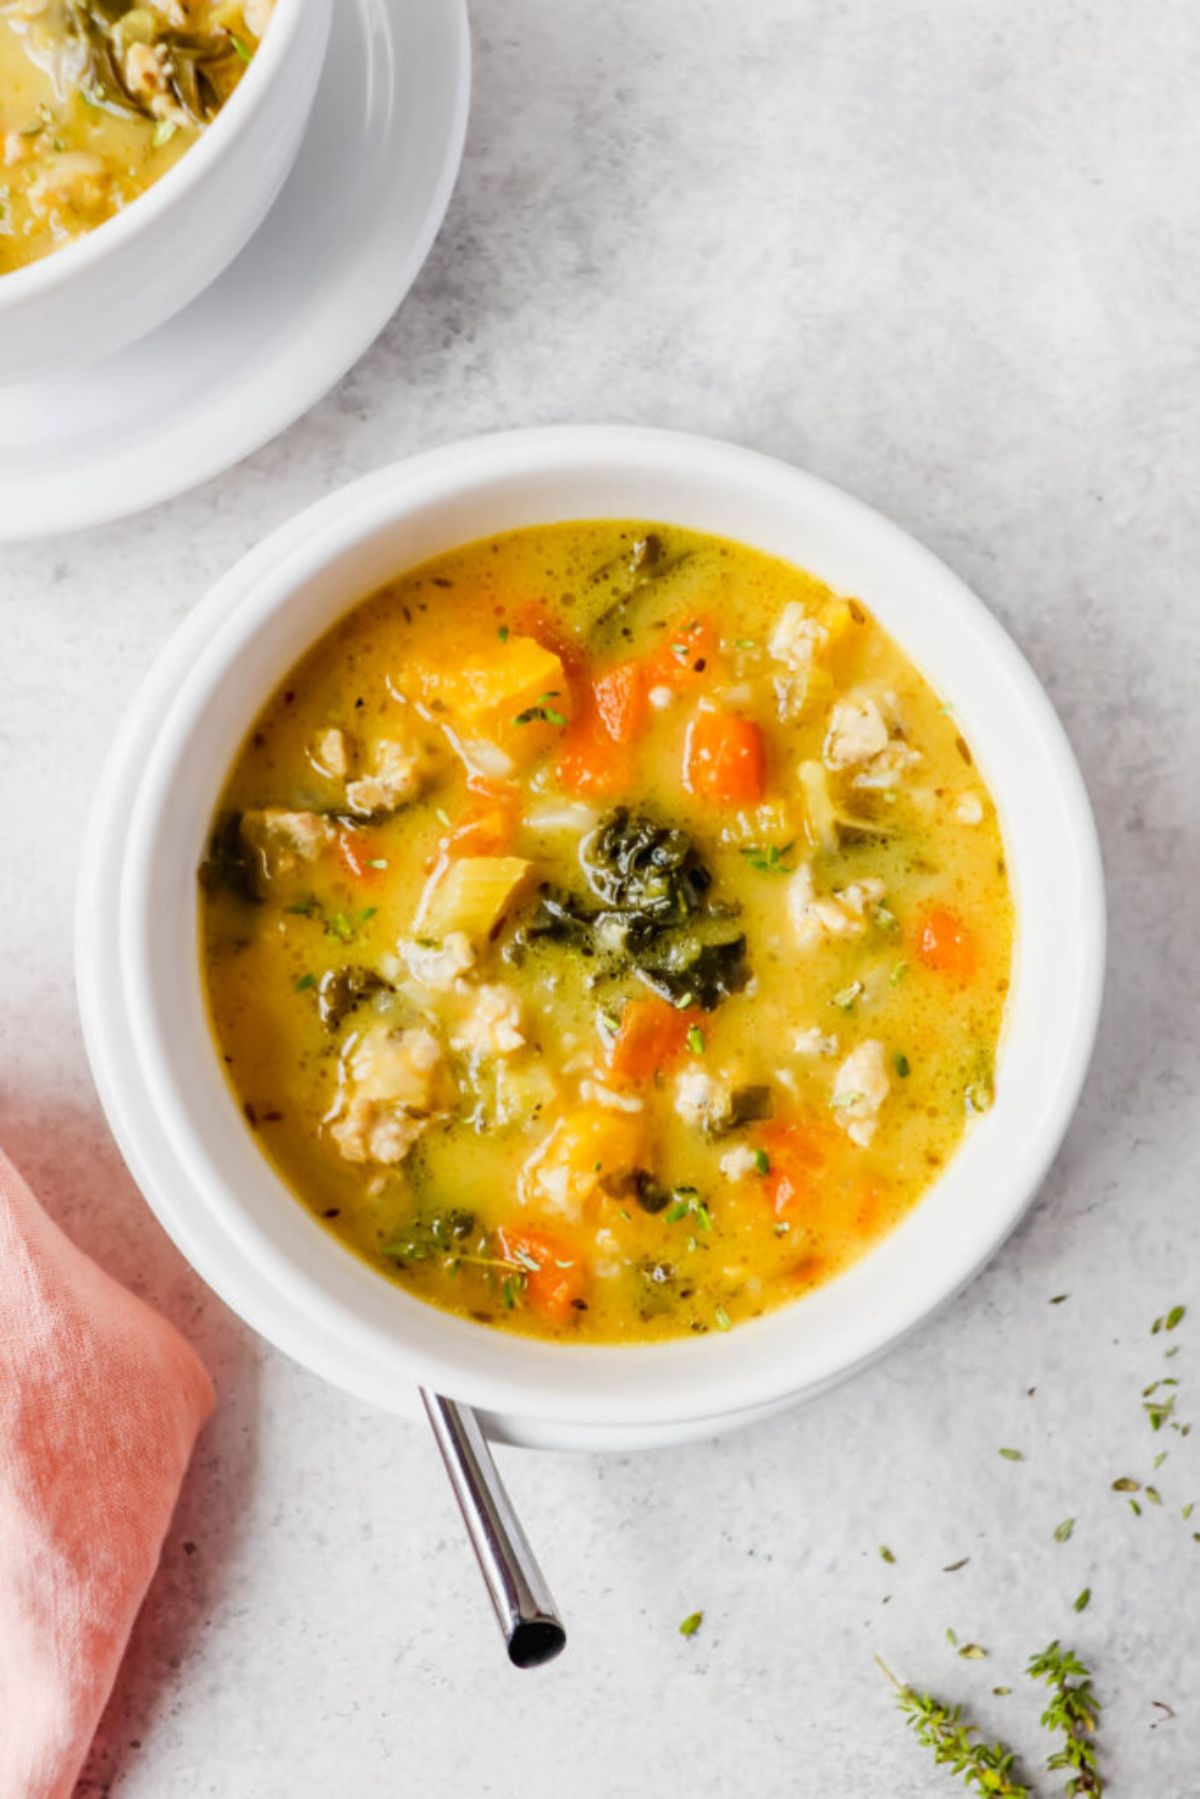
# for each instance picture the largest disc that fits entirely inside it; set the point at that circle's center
(470, 894)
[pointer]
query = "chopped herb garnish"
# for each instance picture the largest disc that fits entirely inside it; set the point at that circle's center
(1059, 1298)
(903, 1065)
(973, 1652)
(540, 711)
(845, 997)
(768, 859)
(1012, 1455)
(1126, 1485)
(898, 973)
(241, 48)
(1083, 1600)
(305, 982)
(1063, 1531)
(691, 1624)
(762, 1161)
(695, 1040)
(721, 1318)
(502, 634)
(886, 1553)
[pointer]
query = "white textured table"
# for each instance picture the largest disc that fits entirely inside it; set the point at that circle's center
(948, 256)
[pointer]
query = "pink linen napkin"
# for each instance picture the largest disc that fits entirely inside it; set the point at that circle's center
(100, 1405)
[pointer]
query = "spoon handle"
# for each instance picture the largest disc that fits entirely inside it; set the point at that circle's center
(524, 1604)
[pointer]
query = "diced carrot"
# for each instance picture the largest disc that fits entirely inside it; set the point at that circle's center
(596, 748)
(687, 655)
(944, 943)
(589, 761)
(554, 1276)
(489, 825)
(359, 853)
(795, 1156)
(724, 759)
(653, 1035)
(620, 697)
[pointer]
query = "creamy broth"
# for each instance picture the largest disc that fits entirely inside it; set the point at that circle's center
(99, 98)
(607, 932)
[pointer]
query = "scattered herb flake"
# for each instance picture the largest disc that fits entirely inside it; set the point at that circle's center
(1083, 1600)
(1013, 1455)
(691, 1624)
(886, 1553)
(1063, 1531)
(695, 1040)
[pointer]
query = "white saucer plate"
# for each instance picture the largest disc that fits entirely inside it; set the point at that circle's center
(334, 259)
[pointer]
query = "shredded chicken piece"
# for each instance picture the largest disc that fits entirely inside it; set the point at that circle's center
(390, 1088)
(814, 1042)
(398, 773)
(841, 914)
(738, 1163)
(859, 1090)
(330, 753)
(797, 637)
(283, 840)
(439, 966)
(857, 732)
(493, 1025)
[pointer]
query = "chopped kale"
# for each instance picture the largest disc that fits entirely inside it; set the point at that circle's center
(231, 865)
(654, 919)
(341, 989)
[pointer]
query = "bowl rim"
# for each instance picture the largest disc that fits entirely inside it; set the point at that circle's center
(75, 259)
(287, 1306)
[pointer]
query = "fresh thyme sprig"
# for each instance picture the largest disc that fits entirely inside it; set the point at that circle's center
(1073, 1711)
(985, 1768)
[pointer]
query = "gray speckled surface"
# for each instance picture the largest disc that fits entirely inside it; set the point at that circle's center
(948, 257)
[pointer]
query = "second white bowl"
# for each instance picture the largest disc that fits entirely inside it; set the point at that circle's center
(117, 283)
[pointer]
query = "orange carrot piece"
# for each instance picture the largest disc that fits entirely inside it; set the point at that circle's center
(795, 1155)
(945, 944)
(620, 697)
(358, 851)
(596, 747)
(687, 655)
(653, 1035)
(724, 759)
(558, 1279)
(489, 825)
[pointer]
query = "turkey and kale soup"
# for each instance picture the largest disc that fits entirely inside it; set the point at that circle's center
(607, 932)
(98, 98)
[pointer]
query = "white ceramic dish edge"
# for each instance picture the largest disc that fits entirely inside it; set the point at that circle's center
(358, 1351)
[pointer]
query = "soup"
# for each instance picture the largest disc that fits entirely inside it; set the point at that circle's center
(98, 98)
(606, 932)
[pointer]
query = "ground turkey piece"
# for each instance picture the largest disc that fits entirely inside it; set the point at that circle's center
(392, 1080)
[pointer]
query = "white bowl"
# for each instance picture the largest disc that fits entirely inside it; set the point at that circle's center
(115, 284)
(143, 1004)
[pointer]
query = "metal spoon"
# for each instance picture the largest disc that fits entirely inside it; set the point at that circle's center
(524, 1604)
